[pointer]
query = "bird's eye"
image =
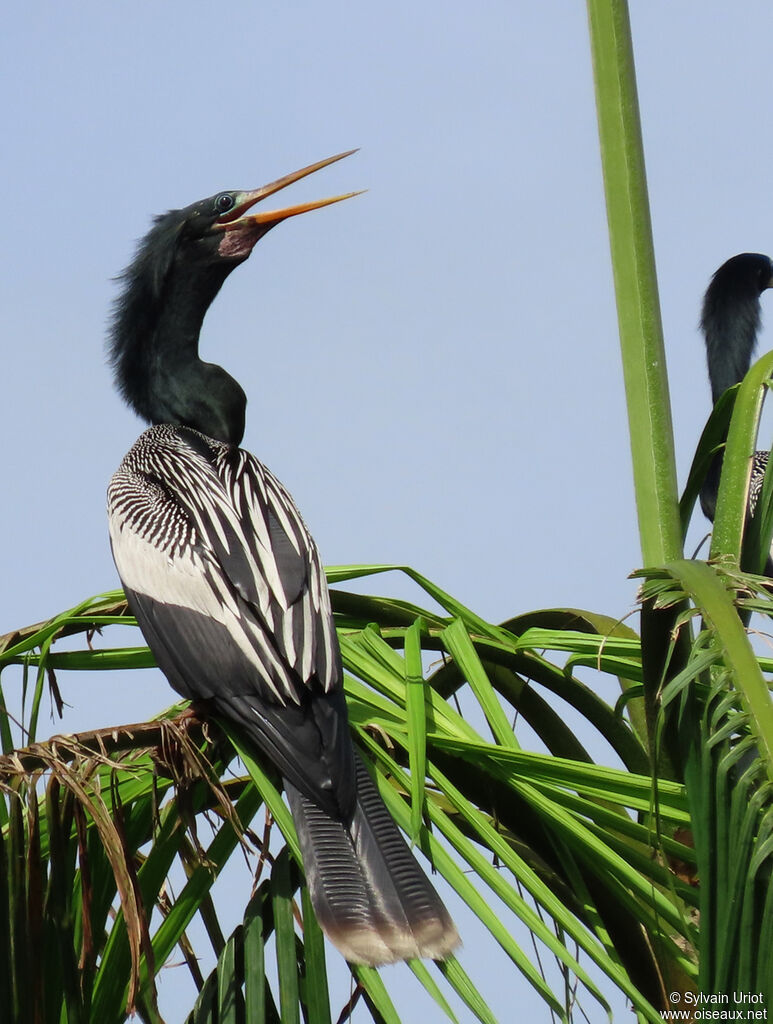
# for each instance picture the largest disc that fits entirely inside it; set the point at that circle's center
(224, 202)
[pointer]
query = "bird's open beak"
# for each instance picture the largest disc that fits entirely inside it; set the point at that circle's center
(265, 220)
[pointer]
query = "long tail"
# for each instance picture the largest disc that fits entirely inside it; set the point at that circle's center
(370, 896)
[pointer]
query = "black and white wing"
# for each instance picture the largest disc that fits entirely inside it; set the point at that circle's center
(759, 465)
(229, 591)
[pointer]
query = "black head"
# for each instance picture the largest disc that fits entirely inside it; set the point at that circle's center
(217, 230)
(197, 236)
(178, 270)
(741, 277)
(730, 318)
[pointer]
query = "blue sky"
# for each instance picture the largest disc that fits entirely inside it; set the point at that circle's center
(433, 367)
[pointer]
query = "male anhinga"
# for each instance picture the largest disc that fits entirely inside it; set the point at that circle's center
(228, 587)
(730, 321)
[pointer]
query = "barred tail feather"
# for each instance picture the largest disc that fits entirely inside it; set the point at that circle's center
(369, 893)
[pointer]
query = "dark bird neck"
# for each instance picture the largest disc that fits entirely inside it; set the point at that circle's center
(154, 348)
(730, 320)
(730, 323)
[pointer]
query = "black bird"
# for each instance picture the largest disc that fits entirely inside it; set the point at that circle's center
(228, 587)
(730, 321)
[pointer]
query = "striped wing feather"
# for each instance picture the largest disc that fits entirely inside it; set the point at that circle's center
(228, 588)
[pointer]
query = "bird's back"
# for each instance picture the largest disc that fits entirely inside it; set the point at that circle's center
(228, 588)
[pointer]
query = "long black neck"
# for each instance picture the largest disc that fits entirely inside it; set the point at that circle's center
(731, 329)
(155, 349)
(730, 321)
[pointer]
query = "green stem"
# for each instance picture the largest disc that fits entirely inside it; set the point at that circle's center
(641, 334)
(633, 263)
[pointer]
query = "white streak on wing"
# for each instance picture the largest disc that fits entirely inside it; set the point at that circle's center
(307, 661)
(172, 509)
(287, 636)
(215, 511)
(314, 587)
(244, 494)
(320, 597)
(257, 524)
(267, 651)
(217, 507)
(314, 603)
(183, 579)
(279, 500)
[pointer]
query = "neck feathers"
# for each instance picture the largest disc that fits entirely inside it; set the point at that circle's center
(730, 318)
(154, 338)
(731, 336)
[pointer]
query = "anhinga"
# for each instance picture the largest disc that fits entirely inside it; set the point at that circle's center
(730, 321)
(228, 587)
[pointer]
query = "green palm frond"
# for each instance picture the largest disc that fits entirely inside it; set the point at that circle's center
(726, 703)
(578, 851)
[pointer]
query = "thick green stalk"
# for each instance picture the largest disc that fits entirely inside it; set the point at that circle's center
(633, 262)
(641, 341)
